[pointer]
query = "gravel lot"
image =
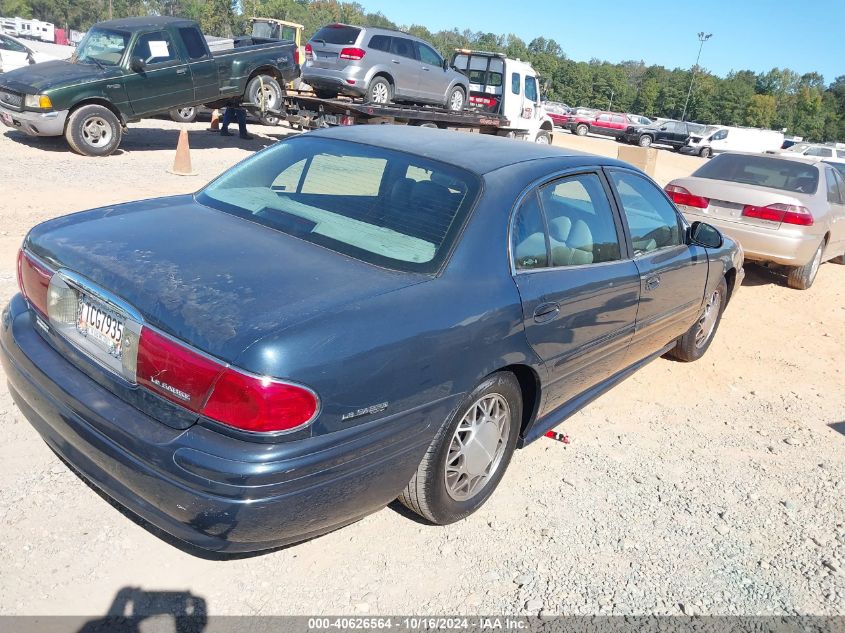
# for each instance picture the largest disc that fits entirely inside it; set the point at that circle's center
(712, 488)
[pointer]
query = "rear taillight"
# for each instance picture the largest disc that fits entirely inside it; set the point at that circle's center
(174, 371)
(210, 388)
(352, 53)
(34, 281)
(784, 213)
(296, 56)
(680, 195)
(309, 51)
(258, 404)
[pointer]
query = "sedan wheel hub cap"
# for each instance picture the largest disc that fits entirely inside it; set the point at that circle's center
(477, 446)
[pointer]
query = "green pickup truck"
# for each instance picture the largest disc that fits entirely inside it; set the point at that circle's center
(128, 69)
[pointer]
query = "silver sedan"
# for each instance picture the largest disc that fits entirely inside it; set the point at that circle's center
(788, 211)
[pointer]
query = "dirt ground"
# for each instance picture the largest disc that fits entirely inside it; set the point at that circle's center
(712, 487)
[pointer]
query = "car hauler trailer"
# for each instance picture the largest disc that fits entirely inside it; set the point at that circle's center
(516, 111)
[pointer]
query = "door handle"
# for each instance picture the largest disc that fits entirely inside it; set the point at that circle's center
(652, 282)
(181, 71)
(546, 312)
(425, 69)
(395, 61)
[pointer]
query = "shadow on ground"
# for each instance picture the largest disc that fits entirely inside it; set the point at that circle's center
(839, 427)
(178, 611)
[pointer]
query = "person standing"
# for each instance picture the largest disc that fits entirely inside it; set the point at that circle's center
(235, 112)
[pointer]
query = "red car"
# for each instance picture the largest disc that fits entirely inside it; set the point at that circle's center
(606, 123)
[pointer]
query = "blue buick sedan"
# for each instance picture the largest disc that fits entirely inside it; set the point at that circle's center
(350, 316)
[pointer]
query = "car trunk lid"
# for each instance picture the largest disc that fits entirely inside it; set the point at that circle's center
(728, 199)
(208, 278)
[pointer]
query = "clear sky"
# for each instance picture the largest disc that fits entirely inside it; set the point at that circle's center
(747, 34)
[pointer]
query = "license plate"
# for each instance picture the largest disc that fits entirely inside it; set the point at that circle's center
(7, 118)
(99, 324)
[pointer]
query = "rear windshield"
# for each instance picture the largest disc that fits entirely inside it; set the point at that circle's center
(776, 173)
(337, 34)
(384, 207)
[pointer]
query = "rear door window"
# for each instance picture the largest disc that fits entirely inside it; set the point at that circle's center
(403, 47)
(337, 34)
(580, 221)
(834, 193)
(529, 247)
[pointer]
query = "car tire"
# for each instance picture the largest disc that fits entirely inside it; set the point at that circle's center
(705, 152)
(265, 92)
(442, 498)
(543, 138)
(379, 91)
(183, 115)
(93, 130)
(695, 342)
(325, 94)
(456, 101)
(581, 130)
(802, 277)
(645, 141)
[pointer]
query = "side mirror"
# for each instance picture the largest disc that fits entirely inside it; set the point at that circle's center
(703, 234)
(137, 64)
(445, 64)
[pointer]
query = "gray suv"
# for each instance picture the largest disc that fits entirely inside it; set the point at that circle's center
(382, 66)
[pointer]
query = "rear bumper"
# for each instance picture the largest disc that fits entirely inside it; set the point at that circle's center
(35, 123)
(777, 246)
(210, 490)
(328, 79)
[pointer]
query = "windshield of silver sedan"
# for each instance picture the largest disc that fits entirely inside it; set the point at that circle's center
(388, 208)
(103, 47)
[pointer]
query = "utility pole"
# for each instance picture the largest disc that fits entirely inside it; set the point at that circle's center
(702, 37)
(610, 104)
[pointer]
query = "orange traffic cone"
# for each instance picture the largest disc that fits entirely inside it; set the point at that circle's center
(182, 162)
(215, 121)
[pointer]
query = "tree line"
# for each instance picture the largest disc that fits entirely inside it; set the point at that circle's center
(803, 105)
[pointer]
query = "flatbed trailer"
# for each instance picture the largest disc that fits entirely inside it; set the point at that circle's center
(312, 112)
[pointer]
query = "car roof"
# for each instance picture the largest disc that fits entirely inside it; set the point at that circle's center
(141, 22)
(478, 153)
(382, 29)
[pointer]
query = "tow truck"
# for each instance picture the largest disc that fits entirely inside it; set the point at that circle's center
(504, 100)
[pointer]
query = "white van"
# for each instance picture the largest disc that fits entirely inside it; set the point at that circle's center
(723, 138)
